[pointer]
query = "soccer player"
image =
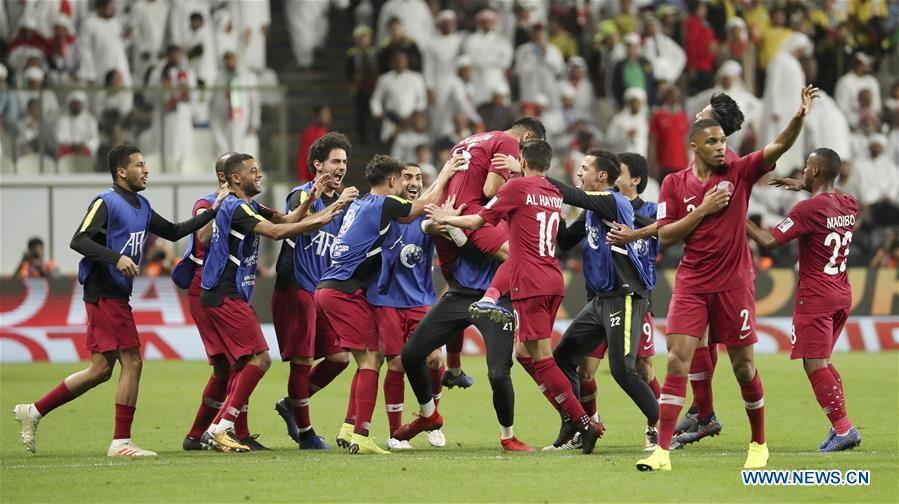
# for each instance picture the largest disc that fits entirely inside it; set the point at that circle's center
(630, 183)
(823, 225)
(533, 207)
(689, 429)
(705, 206)
(472, 188)
(111, 239)
(357, 260)
(187, 275)
(229, 276)
(400, 306)
(618, 283)
(303, 332)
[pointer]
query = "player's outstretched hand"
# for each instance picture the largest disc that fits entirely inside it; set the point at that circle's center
(809, 93)
(318, 187)
(620, 234)
(788, 184)
(506, 161)
(437, 214)
(714, 200)
(347, 196)
(453, 165)
(127, 267)
(450, 206)
(219, 197)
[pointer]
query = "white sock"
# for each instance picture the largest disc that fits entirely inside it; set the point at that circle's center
(34, 413)
(488, 298)
(305, 429)
(224, 425)
(455, 371)
(211, 429)
(120, 442)
(457, 235)
(595, 417)
(506, 432)
(428, 408)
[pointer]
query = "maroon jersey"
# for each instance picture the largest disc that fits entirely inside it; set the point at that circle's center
(194, 290)
(716, 254)
(823, 225)
(478, 151)
(533, 207)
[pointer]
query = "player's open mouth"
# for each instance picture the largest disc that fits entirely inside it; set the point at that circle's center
(413, 193)
(337, 178)
(143, 179)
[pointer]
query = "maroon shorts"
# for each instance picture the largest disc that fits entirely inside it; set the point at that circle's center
(301, 327)
(237, 326)
(647, 343)
(110, 326)
(351, 317)
(488, 239)
(815, 334)
(211, 340)
(395, 325)
(729, 315)
(535, 316)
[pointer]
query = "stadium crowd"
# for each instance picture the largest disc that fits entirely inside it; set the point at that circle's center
(626, 75)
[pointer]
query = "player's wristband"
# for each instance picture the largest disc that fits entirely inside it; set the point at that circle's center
(457, 235)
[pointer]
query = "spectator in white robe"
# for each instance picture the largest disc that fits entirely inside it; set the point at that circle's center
(76, 130)
(877, 176)
(398, 93)
(200, 50)
(868, 126)
(224, 34)
(666, 56)
(853, 83)
(629, 129)
(784, 82)
(415, 15)
(458, 98)
(235, 111)
(308, 27)
(43, 12)
(27, 44)
(101, 40)
(825, 124)
(440, 57)
(114, 97)
(179, 18)
(148, 22)
(34, 86)
(414, 134)
(252, 20)
(491, 55)
(580, 87)
(64, 54)
(729, 80)
(538, 66)
(172, 129)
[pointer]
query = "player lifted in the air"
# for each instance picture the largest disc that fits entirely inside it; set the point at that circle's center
(705, 206)
(823, 226)
(532, 206)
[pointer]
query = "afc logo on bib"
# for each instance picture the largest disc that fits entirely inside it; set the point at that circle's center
(134, 245)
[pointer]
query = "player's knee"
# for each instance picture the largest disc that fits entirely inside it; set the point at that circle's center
(100, 373)
(677, 364)
(498, 374)
(585, 374)
(262, 360)
(434, 360)
(343, 357)
(744, 370)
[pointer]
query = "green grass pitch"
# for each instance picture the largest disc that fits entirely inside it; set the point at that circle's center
(71, 465)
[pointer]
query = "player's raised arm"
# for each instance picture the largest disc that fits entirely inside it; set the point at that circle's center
(435, 192)
(447, 215)
(280, 231)
(787, 137)
(601, 202)
(621, 234)
(161, 227)
(298, 213)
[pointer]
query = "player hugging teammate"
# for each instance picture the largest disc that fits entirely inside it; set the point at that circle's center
(348, 258)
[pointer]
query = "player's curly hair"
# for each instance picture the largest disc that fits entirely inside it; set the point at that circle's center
(727, 113)
(322, 147)
(382, 167)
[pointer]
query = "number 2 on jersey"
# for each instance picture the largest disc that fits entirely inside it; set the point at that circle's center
(834, 240)
(548, 233)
